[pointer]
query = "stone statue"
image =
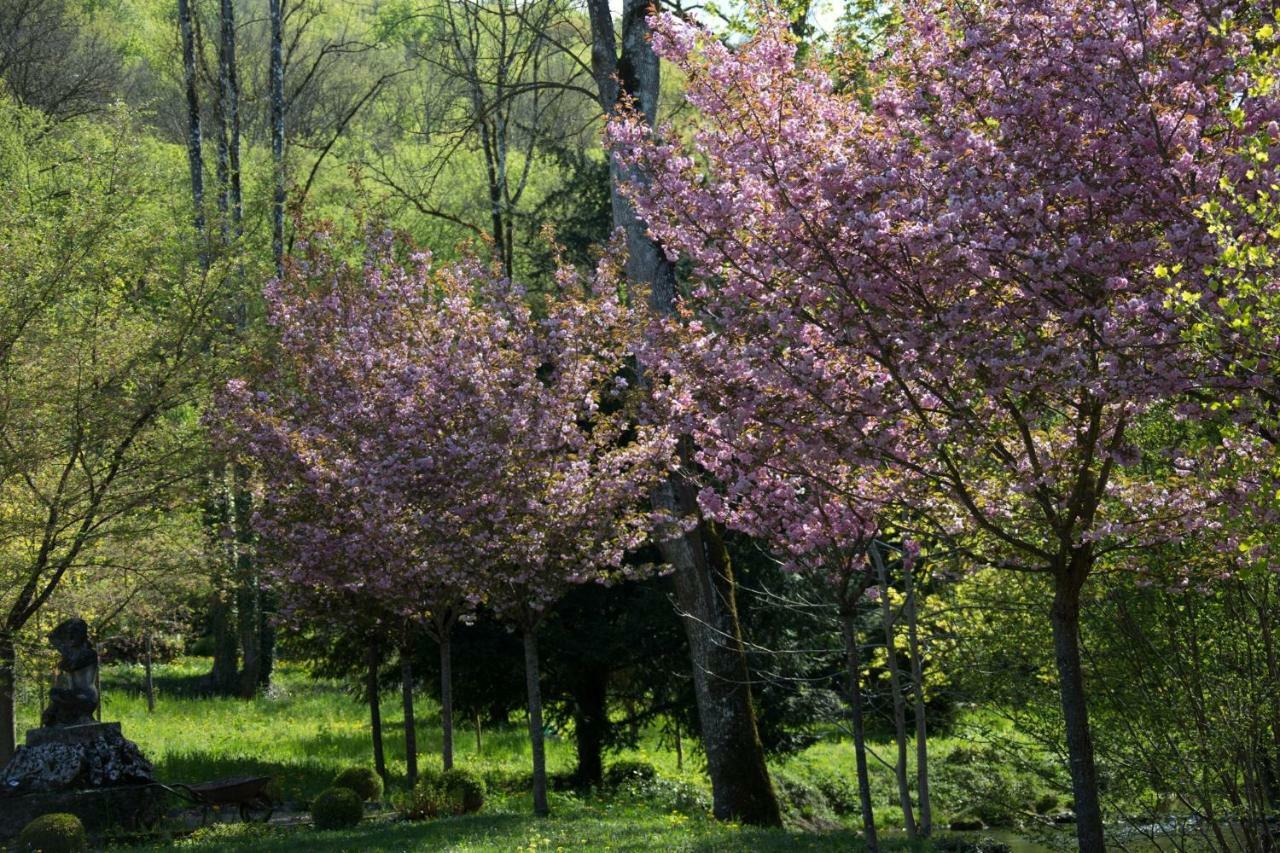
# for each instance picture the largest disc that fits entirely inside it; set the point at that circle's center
(74, 695)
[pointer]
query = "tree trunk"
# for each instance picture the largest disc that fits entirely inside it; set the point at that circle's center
(373, 691)
(917, 684)
(1065, 616)
(679, 747)
(149, 684)
(537, 746)
(479, 742)
(249, 594)
(267, 603)
(277, 133)
(195, 158)
(249, 624)
(446, 699)
(895, 691)
(225, 649)
(410, 724)
(854, 667)
(8, 698)
(590, 726)
(740, 783)
(230, 79)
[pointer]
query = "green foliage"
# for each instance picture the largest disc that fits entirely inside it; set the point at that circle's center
(677, 796)
(337, 808)
(801, 799)
(365, 781)
(456, 791)
(620, 772)
(53, 833)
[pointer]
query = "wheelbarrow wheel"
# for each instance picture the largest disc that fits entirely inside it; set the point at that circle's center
(257, 810)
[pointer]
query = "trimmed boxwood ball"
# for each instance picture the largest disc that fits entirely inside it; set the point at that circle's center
(464, 788)
(449, 792)
(53, 833)
(365, 781)
(621, 772)
(337, 808)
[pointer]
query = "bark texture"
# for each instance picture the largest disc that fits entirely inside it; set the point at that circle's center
(276, 72)
(446, 698)
(1065, 616)
(410, 723)
(917, 686)
(374, 691)
(8, 698)
(536, 742)
(853, 665)
(195, 157)
(705, 590)
(895, 691)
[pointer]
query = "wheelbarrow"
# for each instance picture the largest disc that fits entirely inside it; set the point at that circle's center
(248, 793)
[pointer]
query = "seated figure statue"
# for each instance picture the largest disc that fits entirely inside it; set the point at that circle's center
(74, 695)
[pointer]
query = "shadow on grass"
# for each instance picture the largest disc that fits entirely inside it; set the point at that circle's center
(588, 829)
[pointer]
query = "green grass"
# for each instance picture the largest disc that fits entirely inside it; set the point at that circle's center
(304, 731)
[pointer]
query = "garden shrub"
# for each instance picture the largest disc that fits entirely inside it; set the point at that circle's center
(365, 781)
(465, 789)
(621, 772)
(53, 833)
(841, 793)
(337, 808)
(450, 792)
(800, 798)
(668, 795)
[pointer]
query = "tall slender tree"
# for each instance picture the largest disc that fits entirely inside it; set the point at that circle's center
(705, 588)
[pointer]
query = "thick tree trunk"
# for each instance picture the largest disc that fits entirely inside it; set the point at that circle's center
(223, 676)
(740, 783)
(8, 698)
(195, 158)
(446, 700)
(536, 743)
(373, 692)
(917, 685)
(1065, 616)
(410, 724)
(277, 132)
(895, 691)
(249, 625)
(590, 726)
(853, 665)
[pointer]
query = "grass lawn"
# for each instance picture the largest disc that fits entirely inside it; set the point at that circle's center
(304, 731)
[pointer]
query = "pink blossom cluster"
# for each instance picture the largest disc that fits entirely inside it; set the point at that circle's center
(426, 440)
(959, 304)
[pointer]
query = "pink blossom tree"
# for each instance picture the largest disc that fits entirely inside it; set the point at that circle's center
(572, 460)
(358, 425)
(429, 441)
(969, 284)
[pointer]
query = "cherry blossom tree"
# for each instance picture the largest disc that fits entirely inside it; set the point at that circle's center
(567, 462)
(357, 430)
(429, 441)
(971, 283)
